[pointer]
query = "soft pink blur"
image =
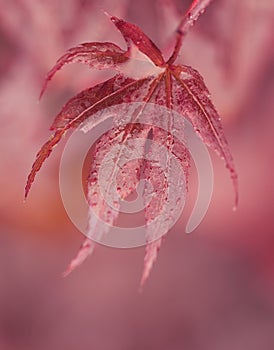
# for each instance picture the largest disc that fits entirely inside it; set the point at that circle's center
(210, 290)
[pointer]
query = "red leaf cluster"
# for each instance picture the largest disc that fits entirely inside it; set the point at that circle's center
(178, 88)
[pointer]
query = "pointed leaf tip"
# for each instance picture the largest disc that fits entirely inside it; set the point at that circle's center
(236, 192)
(86, 249)
(133, 34)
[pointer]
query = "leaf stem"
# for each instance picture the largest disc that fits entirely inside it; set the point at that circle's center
(195, 10)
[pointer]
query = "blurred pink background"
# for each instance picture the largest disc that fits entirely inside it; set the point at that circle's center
(213, 289)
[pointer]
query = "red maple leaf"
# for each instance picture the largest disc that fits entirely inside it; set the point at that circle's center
(161, 82)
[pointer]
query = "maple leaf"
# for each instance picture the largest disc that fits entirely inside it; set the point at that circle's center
(178, 88)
